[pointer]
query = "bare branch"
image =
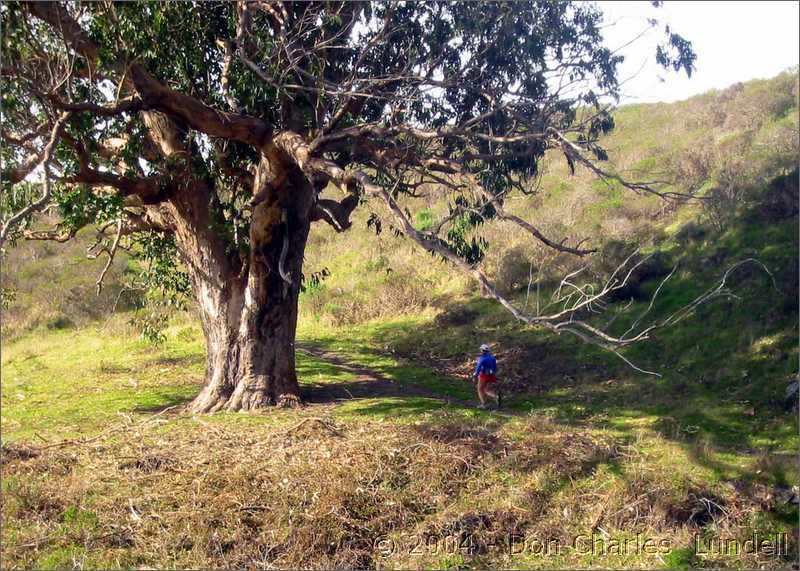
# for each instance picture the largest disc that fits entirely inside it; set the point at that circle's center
(576, 153)
(579, 299)
(111, 253)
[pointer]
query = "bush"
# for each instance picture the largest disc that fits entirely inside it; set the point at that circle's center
(610, 256)
(396, 294)
(692, 167)
(457, 316)
(735, 178)
(783, 146)
(7, 297)
(690, 232)
(151, 325)
(423, 221)
(780, 200)
(60, 322)
(514, 270)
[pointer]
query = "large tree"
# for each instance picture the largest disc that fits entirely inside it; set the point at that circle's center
(211, 129)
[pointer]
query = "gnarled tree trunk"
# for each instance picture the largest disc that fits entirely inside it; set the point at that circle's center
(248, 310)
(247, 303)
(249, 325)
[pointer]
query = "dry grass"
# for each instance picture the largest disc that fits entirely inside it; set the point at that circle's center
(305, 492)
(312, 495)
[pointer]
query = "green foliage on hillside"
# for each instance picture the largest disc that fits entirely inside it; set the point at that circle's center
(726, 144)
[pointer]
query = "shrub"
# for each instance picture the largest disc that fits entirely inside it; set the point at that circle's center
(610, 256)
(690, 232)
(514, 270)
(7, 297)
(782, 145)
(395, 294)
(735, 177)
(423, 221)
(780, 200)
(60, 322)
(692, 167)
(151, 326)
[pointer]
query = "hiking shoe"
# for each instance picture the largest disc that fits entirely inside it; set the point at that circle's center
(483, 406)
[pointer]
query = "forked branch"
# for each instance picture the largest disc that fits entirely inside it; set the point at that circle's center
(574, 301)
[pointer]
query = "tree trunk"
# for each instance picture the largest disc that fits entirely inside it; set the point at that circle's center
(251, 362)
(250, 326)
(248, 309)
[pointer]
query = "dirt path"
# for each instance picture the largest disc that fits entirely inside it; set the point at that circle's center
(368, 383)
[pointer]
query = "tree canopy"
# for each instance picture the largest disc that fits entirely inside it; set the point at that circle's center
(406, 90)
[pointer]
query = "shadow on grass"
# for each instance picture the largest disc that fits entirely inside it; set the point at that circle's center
(159, 401)
(177, 361)
(346, 379)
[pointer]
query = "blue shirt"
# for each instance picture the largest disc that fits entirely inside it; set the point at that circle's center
(486, 364)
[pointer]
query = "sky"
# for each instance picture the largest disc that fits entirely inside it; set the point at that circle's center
(734, 41)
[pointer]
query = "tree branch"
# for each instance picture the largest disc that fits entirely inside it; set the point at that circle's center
(336, 214)
(155, 95)
(47, 155)
(111, 253)
(151, 189)
(579, 299)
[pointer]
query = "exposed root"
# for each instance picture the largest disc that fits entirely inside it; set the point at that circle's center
(288, 400)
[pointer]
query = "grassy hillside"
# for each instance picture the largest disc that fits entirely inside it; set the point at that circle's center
(725, 145)
(391, 465)
(46, 285)
(103, 469)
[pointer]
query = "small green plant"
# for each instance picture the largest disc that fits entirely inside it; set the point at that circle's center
(151, 327)
(680, 558)
(423, 221)
(79, 518)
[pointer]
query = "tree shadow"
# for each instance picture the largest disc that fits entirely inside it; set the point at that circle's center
(346, 381)
(165, 400)
(177, 361)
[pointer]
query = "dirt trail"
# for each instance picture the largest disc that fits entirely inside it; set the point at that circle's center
(368, 383)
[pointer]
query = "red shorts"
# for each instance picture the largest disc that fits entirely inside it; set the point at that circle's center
(487, 378)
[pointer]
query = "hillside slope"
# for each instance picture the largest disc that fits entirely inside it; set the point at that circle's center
(725, 145)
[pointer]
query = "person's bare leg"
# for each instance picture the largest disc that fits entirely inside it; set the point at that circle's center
(481, 392)
(492, 392)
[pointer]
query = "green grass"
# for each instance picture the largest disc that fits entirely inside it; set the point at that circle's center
(722, 370)
(69, 382)
(711, 424)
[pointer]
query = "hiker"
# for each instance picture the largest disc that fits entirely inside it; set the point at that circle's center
(486, 377)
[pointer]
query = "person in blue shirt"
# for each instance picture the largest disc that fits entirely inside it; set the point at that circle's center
(486, 376)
